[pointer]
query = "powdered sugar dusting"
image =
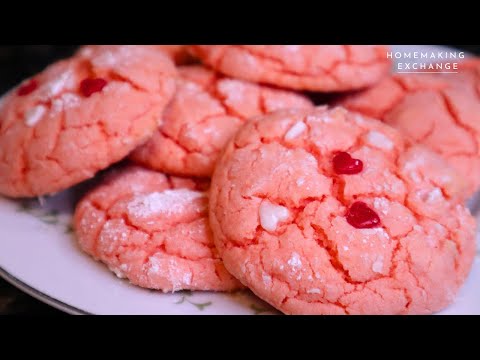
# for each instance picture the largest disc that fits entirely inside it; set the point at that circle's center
(297, 129)
(116, 56)
(417, 162)
(167, 202)
(271, 215)
(292, 48)
(33, 115)
(431, 196)
(381, 205)
(70, 100)
(154, 266)
(295, 262)
(377, 231)
(323, 118)
(187, 279)
(66, 101)
(267, 279)
(379, 140)
(234, 90)
(359, 120)
(300, 181)
(378, 265)
(124, 267)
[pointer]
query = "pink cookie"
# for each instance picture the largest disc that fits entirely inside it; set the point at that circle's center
(152, 229)
(79, 116)
(205, 112)
(440, 111)
(301, 67)
(329, 212)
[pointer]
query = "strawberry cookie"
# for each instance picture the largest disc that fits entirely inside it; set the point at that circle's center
(153, 230)
(323, 68)
(328, 212)
(79, 116)
(203, 115)
(440, 111)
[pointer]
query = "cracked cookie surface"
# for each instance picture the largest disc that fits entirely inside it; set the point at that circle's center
(204, 114)
(439, 111)
(323, 68)
(279, 213)
(153, 230)
(79, 116)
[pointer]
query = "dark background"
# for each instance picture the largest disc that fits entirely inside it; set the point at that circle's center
(17, 63)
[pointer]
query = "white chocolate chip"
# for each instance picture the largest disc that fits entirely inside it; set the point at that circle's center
(271, 215)
(313, 291)
(34, 115)
(118, 273)
(297, 129)
(55, 87)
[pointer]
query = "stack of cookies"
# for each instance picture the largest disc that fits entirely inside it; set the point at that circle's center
(235, 178)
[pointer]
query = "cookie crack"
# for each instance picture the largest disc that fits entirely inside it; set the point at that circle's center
(332, 251)
(458, 122)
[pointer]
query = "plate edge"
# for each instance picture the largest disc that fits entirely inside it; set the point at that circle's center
(60, 305)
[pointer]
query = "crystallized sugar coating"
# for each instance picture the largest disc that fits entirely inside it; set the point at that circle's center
(278, 214)
(163, 203)
(55, 136)
(301, 67)
(440, 111)
(205, 112)
(153, 230)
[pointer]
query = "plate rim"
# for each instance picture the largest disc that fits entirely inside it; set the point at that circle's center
(37, 294)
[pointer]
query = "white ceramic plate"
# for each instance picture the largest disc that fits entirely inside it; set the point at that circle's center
(39, 255)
